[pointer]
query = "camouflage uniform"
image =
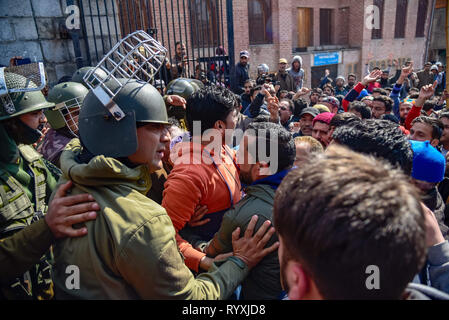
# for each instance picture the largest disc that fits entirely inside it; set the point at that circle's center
(26, 182)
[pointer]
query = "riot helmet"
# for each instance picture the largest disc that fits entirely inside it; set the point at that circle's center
(79, 74)
(117, 103)
(68, 97)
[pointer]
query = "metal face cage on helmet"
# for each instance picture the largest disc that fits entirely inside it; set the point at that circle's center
(68, 97)
(20, 88)
(137, 56)
(116, 103)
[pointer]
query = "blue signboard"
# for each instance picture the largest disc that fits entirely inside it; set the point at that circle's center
(321, 59)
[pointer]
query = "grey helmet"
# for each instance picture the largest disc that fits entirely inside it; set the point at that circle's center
(102, 134)
(263, 68)
(80, 73)
(68, 97)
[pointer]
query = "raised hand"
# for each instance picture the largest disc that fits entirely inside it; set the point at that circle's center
(425, 94)
(428, 91)
(372, 77)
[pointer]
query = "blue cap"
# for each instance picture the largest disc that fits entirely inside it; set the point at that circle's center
(428, 163)
(363, 94)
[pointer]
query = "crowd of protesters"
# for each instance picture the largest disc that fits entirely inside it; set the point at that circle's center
(357, 182)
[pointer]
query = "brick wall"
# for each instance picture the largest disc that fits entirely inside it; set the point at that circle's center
(349, 32)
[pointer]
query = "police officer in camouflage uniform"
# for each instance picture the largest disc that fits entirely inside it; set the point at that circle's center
(130, 251)
(63, 118)
(26, 179)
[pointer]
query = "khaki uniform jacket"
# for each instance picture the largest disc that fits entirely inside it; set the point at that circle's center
(130, 250)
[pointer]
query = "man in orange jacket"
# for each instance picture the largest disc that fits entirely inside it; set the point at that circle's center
(205, 172)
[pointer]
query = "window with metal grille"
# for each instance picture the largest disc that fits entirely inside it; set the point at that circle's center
(326, 26)
(204, 18)
(260, 22)
(401, 18)
(421, 20)
(377, 32)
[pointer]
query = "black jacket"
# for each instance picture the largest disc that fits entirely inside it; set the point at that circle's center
(241, 74)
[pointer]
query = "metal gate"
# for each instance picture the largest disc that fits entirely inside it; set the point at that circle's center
(201, 25)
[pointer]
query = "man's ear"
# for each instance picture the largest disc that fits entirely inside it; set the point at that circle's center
(219, 125)
(298, 281)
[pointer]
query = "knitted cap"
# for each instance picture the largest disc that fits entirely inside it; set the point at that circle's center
(325, 117)
(428, 163)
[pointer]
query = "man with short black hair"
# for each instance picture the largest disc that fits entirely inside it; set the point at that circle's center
(360, 109)
(179, 67)
(352, 78)
(213, 183)
(328, 90)
(315, 95)
(334, 235)
(246, 96)
(285, 112)
(380, 138)
(426, 129)
(381, 105)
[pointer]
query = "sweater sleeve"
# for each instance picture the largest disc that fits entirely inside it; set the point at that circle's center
(352, 95)
(395, 96)
(414, 113)
(181, 195)
(254, 107)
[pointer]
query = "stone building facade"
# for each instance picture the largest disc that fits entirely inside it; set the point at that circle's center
(327, 34)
